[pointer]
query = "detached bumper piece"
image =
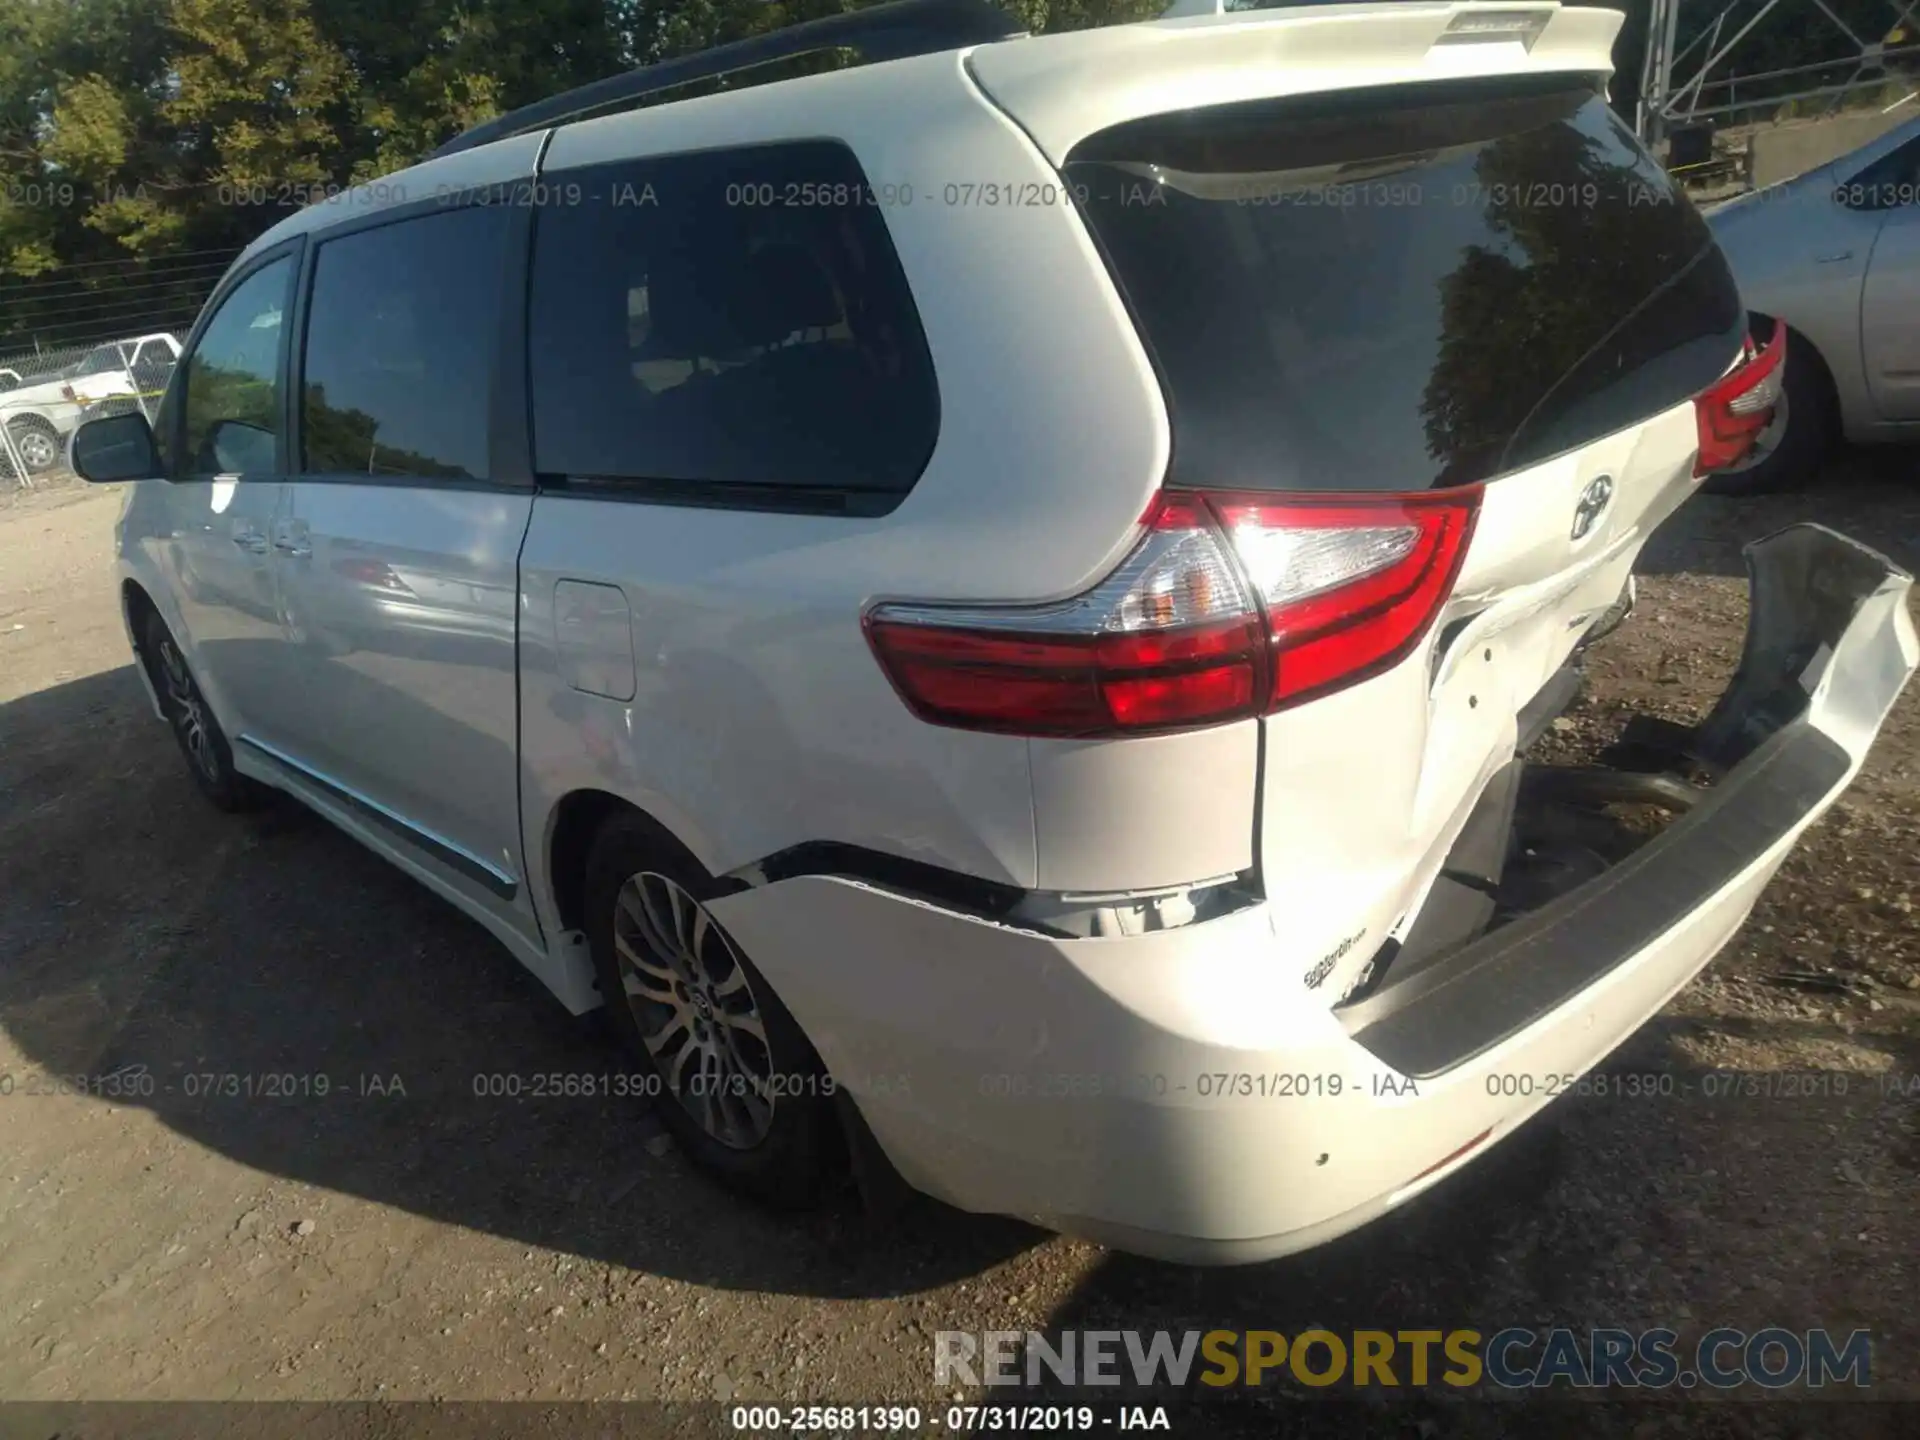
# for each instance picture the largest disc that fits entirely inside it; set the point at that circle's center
(1829, 646)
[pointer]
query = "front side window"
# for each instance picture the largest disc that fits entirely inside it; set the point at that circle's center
(401, 330)
(231, 384)
(728, 319)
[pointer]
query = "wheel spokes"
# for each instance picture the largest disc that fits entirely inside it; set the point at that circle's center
(694, 1006)
(638, 907)
(188, 711)
(657, 1041)
(178, 685)
(634, 982)
(697, 940)
(682, 906)
(200, 746)
(744, 1106)
(712, 1094)
(743, 1023)
(639, 960)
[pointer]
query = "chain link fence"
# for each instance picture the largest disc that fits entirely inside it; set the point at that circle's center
(46, 394)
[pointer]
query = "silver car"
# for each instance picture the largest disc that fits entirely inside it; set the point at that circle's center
(1835, 254)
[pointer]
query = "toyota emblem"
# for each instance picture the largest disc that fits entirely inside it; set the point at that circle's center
(1593, 504)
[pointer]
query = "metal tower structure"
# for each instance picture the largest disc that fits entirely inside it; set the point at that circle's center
(1685, 85)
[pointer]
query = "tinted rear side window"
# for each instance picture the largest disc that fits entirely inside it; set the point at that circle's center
(727, 319)
(401, 333)
(1392, 290)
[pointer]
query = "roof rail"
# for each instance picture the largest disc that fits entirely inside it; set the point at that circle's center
(880, 32)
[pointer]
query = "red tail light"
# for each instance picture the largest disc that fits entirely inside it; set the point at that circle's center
(1347, 587)
(1731, 414)
(1232, 605)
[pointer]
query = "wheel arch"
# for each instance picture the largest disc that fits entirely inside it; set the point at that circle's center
(573, 823)
(1800, 350)
(567, 836)
(571, 826)
(135, 606)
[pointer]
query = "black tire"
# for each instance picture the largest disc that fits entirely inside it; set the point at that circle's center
(1809, 415)
(37, 443)
(792, 1163)
(202, 742)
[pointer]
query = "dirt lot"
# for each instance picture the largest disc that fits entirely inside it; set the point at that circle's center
(402, 1238)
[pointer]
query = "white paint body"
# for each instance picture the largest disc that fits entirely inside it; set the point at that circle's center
(747, 715)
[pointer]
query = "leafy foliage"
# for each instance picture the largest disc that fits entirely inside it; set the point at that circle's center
(135, 131)
(152, 127)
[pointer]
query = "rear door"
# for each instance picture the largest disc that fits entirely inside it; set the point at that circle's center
(399, 543)
(1465, 285)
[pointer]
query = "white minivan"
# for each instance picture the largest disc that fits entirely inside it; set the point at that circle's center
(991, 605)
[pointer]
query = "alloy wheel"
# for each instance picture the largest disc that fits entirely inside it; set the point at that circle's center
(189, 711)
(695, 1009)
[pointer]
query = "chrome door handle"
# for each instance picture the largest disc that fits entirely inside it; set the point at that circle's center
(1833, 258)
(252, 541)
(287, 545)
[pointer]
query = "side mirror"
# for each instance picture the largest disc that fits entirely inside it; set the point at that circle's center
(119, 447)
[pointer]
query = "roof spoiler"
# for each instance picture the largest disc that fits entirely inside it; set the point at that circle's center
(881, 32)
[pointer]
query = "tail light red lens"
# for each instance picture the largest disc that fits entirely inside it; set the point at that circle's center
(1232, 605)
(1731, 414)
(1347, 588)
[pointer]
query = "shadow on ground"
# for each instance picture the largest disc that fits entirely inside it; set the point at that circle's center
(140, 928)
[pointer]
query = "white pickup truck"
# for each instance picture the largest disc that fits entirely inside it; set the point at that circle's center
(38, 411)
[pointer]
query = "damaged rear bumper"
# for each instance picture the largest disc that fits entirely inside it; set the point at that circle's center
(1181, 1094)
(1829, 646)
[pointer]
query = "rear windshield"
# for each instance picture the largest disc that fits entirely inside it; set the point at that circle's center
(1398, 289)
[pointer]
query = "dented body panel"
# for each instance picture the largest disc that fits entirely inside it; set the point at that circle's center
(1182, 1094)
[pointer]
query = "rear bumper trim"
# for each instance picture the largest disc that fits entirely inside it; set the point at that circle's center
(1822, 663)
(1445, 1014)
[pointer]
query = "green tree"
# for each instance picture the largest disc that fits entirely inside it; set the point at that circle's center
(261, 97)
(78, 84)
(424, 73)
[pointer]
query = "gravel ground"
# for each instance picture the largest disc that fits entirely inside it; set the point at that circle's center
(400, 1238)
